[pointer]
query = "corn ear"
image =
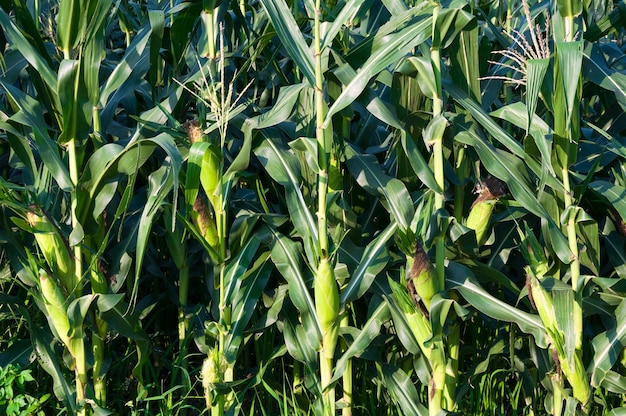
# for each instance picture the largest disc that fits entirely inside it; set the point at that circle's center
(212, 372)
(478, 219)
(211, 176)
(54, 249)
(421, 277)
(194, 132)
(55, 307)
(327, 304)
(543, 303)
(204, 219)
(489, 191)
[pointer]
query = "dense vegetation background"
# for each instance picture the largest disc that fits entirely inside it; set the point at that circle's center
(395, 207)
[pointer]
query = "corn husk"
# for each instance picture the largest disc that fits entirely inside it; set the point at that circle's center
(422, 280)
(327, 304)
(55, 307)
(204, 219)
(490, 190)
(54, 248)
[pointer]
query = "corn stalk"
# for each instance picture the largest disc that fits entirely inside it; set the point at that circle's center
(567, 91)
(325, 286)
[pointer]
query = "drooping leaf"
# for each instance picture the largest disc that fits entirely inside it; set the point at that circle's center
(371, 177)
(283, 166)
(608, 347)
(290, 36)
(368, 331)
(244, 302)
(372, 262)
(402, 390)
(460, 278)
(393, 40)
(288, 261)
(597, 71)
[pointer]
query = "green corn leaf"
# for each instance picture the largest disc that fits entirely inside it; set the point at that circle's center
(157, 25)
(609, 22)
(22, 149)
(29, 115)
(395, 7)
(161, 182)
(570, 59)
(347, 13)
(283, 166)
(126, 76)
(460, 277)
(367, 333)
(69, 24)
(425, 74)
(536, 70)
(288, 260)
(417, 162)
(464, 60)
(614, 382)
(570, 8)
(517, 114)
(94, 49)
(299, 344)
(567, 103)
(402, 390)
(391, 43)
(280, 112)
(290, 36)
(483, 119)
(249, 290)
(373, 261)
(608, 346)
(33, 53)
(237, 267)
(616, 246)
(51, 361)
(512, 171)
(598, 72)
(614, 194)
(371, 177)
(67, 90)
(104, 168)
(368, 98)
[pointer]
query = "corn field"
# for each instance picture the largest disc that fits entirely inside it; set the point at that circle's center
(341, 207)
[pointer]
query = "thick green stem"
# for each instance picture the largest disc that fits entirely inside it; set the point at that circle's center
(347, 375)
(79, 351)
(99, 377)
(328, 326)
(435, 57)
(459, 190)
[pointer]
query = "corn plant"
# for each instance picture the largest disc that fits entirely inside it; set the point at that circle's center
(320, 207)
(71, 178)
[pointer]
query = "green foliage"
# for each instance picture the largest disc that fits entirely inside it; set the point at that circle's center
(15, 399)
(213, 207)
